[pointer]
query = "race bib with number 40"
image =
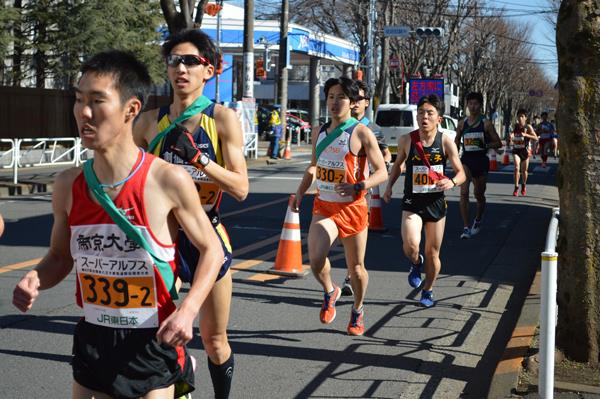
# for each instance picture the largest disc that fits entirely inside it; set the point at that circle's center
(422, 182)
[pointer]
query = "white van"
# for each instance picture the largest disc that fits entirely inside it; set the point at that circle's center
(395, 120)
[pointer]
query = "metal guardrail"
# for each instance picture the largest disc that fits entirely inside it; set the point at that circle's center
(5, 154)
(26, 153)
(548, 310)
(251, 145)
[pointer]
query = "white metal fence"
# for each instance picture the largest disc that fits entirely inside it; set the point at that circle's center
(18, 154)
(251, 145)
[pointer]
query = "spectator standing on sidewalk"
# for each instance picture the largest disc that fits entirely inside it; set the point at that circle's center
(276, 129)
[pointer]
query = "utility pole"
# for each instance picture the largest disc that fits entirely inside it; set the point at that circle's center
(248, 58)
(370, 58)
(218, 43)
(282, 88)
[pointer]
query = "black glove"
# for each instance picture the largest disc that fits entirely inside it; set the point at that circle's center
(184, 146)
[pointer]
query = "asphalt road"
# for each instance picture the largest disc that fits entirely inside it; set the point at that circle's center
(281, 348)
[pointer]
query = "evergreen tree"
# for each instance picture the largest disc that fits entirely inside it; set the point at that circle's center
(58, 35)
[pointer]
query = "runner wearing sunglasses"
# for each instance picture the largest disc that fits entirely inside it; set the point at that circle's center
(206, 139)
(424, 204)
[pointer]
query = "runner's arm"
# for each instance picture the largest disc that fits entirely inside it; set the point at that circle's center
(494, 139)
(529, 132)
(403, 148)
(309, 174)
(233, 179)
(144, 128)
(459, 173)
(58, 262)
(374, 157)
(179, 187)
(459, 132)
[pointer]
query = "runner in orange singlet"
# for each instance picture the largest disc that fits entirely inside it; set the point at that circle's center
(341, 150)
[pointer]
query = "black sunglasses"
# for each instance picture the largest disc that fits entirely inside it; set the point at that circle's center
(360, 98)
(186, 59)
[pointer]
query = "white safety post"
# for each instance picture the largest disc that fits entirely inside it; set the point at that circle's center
(16, 157)
(548, 311)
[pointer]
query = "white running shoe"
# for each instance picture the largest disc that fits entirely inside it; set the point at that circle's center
(466, 234)
(476, 227)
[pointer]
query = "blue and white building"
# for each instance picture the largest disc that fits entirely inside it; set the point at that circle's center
(312, 57)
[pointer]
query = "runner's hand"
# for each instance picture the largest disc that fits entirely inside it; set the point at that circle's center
(184, 146)
(444, 184)
(387, 196)
(345, 189)
(296, 203)
(26, 291)
(177, 329)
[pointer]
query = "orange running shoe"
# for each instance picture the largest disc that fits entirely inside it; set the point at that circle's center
(523, 191)
(356, 326)
(516, 192)
(327, 314)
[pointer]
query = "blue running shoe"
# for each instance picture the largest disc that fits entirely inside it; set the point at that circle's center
(427, 299)
(414, 276)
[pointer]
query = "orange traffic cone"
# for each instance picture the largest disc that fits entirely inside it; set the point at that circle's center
(493, 162)
(289, 253)
(375, 216)
(288, 151)
(506, 158)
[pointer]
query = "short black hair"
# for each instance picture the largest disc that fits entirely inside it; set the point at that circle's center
(522, 111)
(349, 87)
(206, 47)
(434, 100)
(131, 77)
(544, 113)
(475, 95)
(364, 87)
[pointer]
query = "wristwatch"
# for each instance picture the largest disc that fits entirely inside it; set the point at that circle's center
(203, 160)
(358, 187)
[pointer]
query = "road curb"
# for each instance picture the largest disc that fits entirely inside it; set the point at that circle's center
(506, 377)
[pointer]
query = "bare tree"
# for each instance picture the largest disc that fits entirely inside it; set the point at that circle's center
(578, 117)
(182, 19)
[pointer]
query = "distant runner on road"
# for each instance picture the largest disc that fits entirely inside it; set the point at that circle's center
(519, 138)
(475, 134)
(424, 205)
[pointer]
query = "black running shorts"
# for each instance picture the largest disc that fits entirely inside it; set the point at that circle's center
(128, 363)
(428, 210)
(478, 165)
(522, 153)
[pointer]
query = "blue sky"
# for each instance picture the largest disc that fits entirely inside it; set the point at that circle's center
(521, 11)
(541, 32)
